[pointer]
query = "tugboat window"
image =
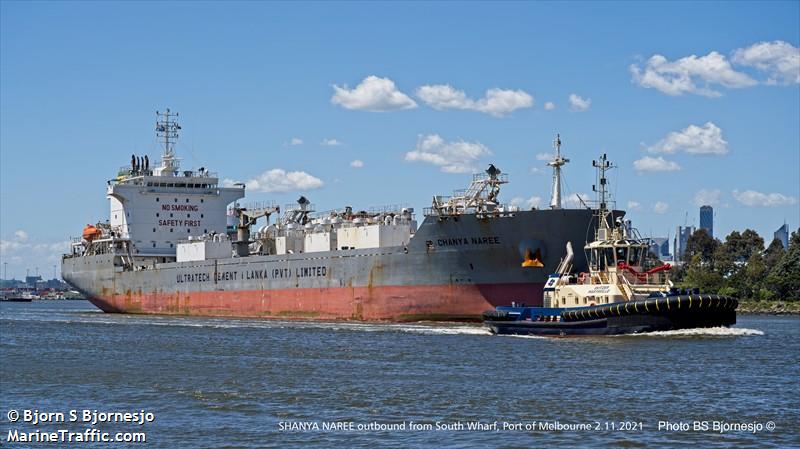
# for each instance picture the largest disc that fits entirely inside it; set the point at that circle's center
(610, 256)
(622, 254)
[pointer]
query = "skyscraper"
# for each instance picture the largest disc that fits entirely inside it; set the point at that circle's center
(679, 243)
(707, 219)
(782, 234)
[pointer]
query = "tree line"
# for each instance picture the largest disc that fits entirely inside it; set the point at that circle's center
(741, 266)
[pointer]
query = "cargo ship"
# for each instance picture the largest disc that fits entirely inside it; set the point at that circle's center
(179, 242)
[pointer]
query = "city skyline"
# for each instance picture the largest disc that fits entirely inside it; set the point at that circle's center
(295, 99)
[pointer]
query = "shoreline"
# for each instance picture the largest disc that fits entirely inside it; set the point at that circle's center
(768, 307)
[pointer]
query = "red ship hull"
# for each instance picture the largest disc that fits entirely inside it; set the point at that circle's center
(385, 303)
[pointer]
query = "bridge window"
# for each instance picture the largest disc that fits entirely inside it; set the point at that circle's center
(176, 200)
(187, 200)
(157, 199)
(170, 229)
(157, 214)
(188, 215)
(154, 229)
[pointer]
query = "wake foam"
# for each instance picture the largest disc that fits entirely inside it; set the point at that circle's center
(703, 332)
(238, 323)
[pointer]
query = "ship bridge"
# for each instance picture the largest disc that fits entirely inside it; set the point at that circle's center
(155, 208)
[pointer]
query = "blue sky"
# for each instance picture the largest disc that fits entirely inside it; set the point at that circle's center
(80, 83)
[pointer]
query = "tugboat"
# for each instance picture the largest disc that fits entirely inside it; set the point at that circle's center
(625, 291)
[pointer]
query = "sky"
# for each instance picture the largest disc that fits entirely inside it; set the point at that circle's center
(369, 104)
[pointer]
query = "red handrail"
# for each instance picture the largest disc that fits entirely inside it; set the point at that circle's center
(640, 275)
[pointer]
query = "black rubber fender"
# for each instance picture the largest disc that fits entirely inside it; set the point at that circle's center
(653, 306)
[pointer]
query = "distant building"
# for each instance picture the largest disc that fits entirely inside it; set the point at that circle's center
(31, 281)
(707, 219)
(681, 237)
(782, 234)
(660, 247)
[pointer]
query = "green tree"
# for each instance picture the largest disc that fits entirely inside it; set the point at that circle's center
(732, 255)
(784, 278)
(752, 275)
(773, 254)
(703, 245)
(702, 276)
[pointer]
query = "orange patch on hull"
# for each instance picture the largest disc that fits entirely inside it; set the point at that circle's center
(387, 303)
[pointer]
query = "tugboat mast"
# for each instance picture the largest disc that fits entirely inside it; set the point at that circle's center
(557, 163)
(603, 228)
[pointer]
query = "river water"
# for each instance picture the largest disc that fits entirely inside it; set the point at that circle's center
(209, 382)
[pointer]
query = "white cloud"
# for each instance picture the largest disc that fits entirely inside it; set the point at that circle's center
(452, 157)
(577, 200)
(660, 207)
(545, 156)
(24, 253)
(497, 102)
(330, 143)
(549, 106)
(708, 197)
(706, 139)
(56, 248)
(779, 59)
(526, 203)
(279, 180)
(649, 163)
(683, 75)
(372, 94)
(577, 103)
(358, 163)
(9, 246)
(537, 170)
(634, 205)
(754, 198)
(296, 141)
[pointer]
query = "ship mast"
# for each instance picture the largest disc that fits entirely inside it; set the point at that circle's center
(167, 128)
(603, 228)
(557, 163)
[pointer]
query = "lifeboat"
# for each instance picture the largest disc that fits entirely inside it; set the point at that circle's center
(91, 233)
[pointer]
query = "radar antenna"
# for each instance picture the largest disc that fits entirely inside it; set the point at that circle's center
(167, 128)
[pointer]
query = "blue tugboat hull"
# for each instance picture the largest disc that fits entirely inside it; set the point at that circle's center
(633, 317)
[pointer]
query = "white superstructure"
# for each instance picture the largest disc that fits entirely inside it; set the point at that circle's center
(620, 267)
(156, 208)
(165, 214)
